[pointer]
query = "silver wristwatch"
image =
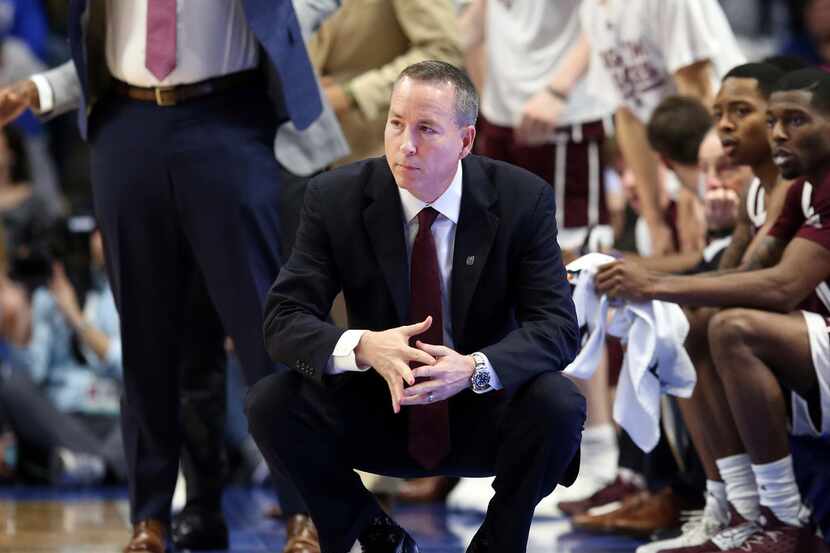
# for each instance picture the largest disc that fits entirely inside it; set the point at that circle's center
(480, 380)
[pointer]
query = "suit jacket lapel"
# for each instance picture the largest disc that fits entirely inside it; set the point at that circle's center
(383, 219)
(477, 226)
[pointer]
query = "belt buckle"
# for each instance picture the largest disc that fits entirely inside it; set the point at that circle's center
(163, 98)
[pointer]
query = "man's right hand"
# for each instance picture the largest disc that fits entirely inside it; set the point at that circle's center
(389, 353)
(17, 98)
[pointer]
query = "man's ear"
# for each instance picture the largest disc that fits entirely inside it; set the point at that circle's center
(468, 138)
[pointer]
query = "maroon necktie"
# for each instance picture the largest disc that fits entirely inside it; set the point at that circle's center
(429, 428)
(160, 57)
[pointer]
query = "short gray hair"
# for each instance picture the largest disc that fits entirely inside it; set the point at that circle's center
(434, 71)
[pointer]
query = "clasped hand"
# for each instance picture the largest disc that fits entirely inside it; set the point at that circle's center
(445, 371)
(624, 280)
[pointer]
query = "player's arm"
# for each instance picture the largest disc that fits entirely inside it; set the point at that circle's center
(696, 80)
(473, 35)
(673, 263)
(643, 162)
(541, 113)
(741, 237)
(779, 287)
(775, 205)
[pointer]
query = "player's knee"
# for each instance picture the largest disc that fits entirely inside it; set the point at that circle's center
(730, 329)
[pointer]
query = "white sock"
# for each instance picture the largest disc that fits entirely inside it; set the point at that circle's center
(716, 504)
(601, 435)
(741, 489)
(779, 492)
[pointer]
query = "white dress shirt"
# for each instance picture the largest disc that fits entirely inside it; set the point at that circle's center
(448, 206)
(212, 39)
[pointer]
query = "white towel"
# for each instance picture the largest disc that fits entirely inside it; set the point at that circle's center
(655, 360)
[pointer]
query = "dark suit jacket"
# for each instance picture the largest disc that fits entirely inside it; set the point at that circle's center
(509, 294)
(274, 25)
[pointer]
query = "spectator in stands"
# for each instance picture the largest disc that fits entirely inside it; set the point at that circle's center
(61, 389)
(18, 61)
(25, 20)
(23, 213)
(810, 31)
(360, 50)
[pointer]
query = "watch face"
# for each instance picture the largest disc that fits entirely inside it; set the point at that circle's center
(481, 380)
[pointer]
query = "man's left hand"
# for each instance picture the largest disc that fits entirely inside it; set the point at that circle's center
(447, 377)
(624, 280)
(336, 96)
(540, 116)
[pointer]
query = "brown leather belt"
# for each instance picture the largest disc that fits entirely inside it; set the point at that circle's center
(172, 95)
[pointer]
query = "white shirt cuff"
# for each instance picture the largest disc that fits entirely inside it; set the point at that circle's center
(342, 358)
(44, 92)
(495, 383)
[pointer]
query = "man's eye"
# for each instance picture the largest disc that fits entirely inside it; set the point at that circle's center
(770, 122)
(427, 130)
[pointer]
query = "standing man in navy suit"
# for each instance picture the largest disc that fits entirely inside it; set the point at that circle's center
(460, 323)
(180, 101)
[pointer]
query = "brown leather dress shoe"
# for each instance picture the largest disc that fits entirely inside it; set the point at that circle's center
(301, 535)
(661, 511)
(600, 519)
(148, 537)
(433, 489)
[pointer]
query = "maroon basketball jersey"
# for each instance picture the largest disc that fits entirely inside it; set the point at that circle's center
(806, 214)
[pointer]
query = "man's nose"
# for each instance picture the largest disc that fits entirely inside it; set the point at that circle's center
(724, 123)
(408, 145)
(777, 134)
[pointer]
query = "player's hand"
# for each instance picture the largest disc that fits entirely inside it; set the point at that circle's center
(624, 280)
(17, 98)
(721, 208)
(388, 352)
(449, 375)
(539, 118)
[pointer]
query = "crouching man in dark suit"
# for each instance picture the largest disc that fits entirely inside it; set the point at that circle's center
(460, 323)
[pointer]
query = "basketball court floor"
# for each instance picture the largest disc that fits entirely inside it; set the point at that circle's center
(45, 520)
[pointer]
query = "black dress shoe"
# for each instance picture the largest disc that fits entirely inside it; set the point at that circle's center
(384, 536)
(196, 530)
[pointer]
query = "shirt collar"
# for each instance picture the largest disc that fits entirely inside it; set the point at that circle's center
(448, 204)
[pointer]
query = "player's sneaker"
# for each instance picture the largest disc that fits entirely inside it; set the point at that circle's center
(700, 527)
(732, 536)
(776, 536)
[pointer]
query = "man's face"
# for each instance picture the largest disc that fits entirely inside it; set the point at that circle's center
(718, 170)
(799, 134)
(423, 140)
(740, 119)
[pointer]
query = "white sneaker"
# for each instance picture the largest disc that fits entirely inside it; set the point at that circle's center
(700, 527)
